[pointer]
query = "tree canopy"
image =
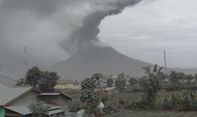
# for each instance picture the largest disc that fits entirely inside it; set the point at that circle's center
(41, 80)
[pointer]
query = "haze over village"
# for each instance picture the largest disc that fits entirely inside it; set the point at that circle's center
(98, 58)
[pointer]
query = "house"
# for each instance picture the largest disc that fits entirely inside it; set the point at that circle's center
(57, 98)
(68, 84)
(7, 81)
(14, 97)
(14, 102)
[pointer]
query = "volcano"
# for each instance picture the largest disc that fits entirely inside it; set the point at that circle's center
(105, 60)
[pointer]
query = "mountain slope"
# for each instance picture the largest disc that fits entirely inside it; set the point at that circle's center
(104, 60)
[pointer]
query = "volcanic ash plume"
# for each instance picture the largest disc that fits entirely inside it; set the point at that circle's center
(86, 36)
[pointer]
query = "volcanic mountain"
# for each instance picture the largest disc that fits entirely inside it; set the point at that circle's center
(105, 60)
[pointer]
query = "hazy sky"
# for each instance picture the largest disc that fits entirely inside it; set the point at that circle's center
(144, 31)
(141, 32)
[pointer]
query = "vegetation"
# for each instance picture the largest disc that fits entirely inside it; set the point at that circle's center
(38, 110)
(153, 94)
(184, 102)
(75, 106)
(41, 80)
(133, 81)
(109, 82)
(151, 86)
(120, 83)
(89, 98)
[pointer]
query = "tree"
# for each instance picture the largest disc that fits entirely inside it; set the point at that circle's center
(48, 81)
(88, 94)
(21, 82)
(33, 76)
(41, 80)
(152, 85)
(132, 81)
(120, 83)
(174, 78)
(110, 82)
(39, 109)
(154, 77)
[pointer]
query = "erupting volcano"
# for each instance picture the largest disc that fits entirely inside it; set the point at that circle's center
(104, 60)
(88, 54)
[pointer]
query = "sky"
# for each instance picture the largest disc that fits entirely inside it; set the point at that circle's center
(146, 30)
(142, 31)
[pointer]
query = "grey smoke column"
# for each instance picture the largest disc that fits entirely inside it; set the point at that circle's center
(86, 36)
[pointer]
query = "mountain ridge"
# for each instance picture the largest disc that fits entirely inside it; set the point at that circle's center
(105, 60)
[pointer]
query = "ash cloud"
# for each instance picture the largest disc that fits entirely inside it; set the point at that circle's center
(86, 36)
(50, 29)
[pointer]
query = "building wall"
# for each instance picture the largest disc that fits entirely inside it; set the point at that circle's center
(67, 86)
(2, 112)
(59, 100)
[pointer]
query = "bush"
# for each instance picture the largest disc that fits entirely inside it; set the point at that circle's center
(111, 103)
(185, 102)
(75, 106)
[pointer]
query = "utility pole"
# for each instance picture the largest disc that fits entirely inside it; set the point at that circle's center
(165, 62)
(25, 54)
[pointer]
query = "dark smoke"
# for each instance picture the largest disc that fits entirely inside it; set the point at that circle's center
(86, 36)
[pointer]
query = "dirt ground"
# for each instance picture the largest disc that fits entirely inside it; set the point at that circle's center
(152, 114)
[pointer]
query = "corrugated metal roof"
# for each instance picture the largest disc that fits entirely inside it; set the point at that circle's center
(7, 81)
(23, 110)
(49, 94)
(9, 94)
(55, 111)
(53, 107)
(56, 94)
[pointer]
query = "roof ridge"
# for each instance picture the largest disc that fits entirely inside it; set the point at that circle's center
(6, 76)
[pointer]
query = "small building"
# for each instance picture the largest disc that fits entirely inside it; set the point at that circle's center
(57, 98)
(68, 84)
(14, 102)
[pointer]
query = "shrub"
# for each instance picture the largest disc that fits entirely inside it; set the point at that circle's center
(184, 102)
(75, 106)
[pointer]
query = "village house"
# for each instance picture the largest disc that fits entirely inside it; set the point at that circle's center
(68, 84)
(14, 102)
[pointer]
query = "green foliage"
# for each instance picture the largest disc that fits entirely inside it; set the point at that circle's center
(42, 80)
(38, 110)
(142, 81)
(184, 102)
(111, 103)
(75, 106)
(165, 104)
(120, 83)
(33, 76)
(88, 94)
(109, 82)
(48, 81)
(21, 82)
(151, 86)
(133, 81)
(174, 78)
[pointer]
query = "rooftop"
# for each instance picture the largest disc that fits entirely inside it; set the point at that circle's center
(7, 81)
(9, 94)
